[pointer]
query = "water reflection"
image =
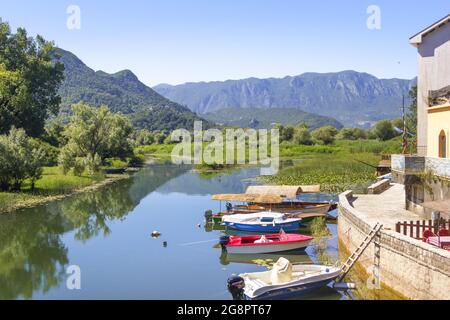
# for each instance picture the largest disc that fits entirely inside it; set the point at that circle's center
(33, 255)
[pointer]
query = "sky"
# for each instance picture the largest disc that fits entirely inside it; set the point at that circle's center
(178, 41)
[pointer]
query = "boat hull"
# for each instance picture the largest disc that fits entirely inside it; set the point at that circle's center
(265, 228)
(290, 292)
(268, 248)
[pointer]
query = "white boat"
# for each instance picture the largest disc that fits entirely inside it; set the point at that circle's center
(283, 281)
(271, 222)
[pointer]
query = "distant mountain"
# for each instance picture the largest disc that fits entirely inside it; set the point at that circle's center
(121, 92)
(265, 118)
(349, 96)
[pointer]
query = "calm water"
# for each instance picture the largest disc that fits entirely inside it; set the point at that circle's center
(107, 234)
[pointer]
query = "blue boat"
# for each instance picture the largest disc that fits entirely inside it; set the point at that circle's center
(265, 222)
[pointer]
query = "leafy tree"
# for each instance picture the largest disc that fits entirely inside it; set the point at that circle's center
(384, 130)
(351, 134)
(325, 135)
(287, 133)
(19, 160)
(29, 81)
(302, 136)
(53, 134)
(398, 122)
(411, 116)
(143, 137)
(93, 135)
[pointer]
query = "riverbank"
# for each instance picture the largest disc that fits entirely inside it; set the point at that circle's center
(11, 202)
(408, 266)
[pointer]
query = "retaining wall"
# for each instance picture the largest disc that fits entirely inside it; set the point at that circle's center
(408, 266)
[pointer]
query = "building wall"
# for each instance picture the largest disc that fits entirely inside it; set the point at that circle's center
(438, 120)
(408, 266)
(433, 74)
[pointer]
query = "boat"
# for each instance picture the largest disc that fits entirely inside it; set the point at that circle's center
(270, 243)
(260, 203)
(295, 257)
(267, 222)
(283, 281)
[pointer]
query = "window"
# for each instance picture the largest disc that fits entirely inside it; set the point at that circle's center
(442, 145)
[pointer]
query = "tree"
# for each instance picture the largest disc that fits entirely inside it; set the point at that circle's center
(411, 116)
(325, 135)
(398, 123)
(287, 133)
(93, 135)
(384, 130)
(29, 81)
(19, 160)
(302, 136)
(351, 134)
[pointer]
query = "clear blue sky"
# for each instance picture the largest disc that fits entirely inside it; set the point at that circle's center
(176, 41)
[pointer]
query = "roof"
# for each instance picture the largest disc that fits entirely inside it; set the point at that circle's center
(416, 39)
(255, 198)
(290, 192)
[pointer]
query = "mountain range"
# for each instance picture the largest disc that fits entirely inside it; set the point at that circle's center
(121, 92)
(353, 98)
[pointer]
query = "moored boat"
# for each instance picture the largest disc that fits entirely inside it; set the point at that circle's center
(265, 244)
(267, 222)
(283, 281)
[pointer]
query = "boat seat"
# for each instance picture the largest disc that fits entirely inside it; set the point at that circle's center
(281, 272)
(263, 239)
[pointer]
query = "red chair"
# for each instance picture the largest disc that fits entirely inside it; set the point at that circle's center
(426, 234)
(444, 233)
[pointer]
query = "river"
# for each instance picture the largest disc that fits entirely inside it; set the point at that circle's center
(107, 234)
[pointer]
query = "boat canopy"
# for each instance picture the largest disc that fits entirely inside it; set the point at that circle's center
(289, 192)
(254, 198)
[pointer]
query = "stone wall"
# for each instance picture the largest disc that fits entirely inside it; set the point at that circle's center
(408, 266)
(379, 187)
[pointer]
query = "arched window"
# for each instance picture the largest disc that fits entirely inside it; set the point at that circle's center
(442, 145)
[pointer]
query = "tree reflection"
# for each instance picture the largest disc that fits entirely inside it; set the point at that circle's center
(33, 256)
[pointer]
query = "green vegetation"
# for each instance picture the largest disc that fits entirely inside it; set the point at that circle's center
(325, 135)
(260, 118)
(121, 92)
(52, 183)
(384, 130)
(93, 135)
(338, 167)
(28, 81)
(20, 159)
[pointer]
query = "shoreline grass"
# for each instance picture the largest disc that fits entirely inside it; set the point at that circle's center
(52, 186)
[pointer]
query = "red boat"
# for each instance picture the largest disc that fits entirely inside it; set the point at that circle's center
(268, 243)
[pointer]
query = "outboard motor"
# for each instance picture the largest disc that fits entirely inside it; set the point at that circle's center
(208, 215)
(224, 241)
(236, 287)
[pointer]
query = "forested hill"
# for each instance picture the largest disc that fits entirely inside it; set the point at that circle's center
(266, 118)
(121, 92)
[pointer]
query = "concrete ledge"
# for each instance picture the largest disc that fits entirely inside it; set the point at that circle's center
(408, 266)
(379, 187)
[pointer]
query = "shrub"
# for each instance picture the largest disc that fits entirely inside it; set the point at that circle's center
(325, 135)
(20, 159)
